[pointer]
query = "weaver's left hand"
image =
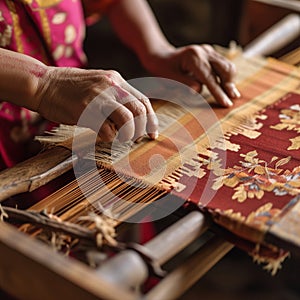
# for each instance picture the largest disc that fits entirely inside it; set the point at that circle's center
(197, 65)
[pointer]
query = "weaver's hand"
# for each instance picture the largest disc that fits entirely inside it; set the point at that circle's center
(64, 93)
(194, 66)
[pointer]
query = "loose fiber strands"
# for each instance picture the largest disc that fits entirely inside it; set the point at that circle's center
(116, 195)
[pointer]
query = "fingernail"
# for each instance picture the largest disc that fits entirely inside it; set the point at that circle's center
(154, 135)
(228, 102)
(236, 92)
(232, 91)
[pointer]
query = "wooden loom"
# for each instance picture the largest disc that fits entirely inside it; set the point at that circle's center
(53, 272)
(67, 275)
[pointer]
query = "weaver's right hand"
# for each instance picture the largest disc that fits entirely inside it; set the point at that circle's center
(64, 93)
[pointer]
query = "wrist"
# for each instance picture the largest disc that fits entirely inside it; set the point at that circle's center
(153, 57)
(36, 82)
(155, 60)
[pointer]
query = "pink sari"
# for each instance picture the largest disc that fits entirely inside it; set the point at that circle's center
(51, 31)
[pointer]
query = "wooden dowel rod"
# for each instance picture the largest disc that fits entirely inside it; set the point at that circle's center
(275, 38)
(182, 278)
(163, 247)
(176, 237)
(127, 269)
(287, 4)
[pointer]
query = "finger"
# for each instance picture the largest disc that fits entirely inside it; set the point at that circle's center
(107, 132)
(151, 118)
(137, 109)
(204, 73)
(95, 119)
(231, 90)
(122, 117)
(140, 116)
(225, 70)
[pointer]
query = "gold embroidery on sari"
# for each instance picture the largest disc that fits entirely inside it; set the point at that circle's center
(6, 34)
(42, 3)
(28, 2)
(16, 25)
(47, 3)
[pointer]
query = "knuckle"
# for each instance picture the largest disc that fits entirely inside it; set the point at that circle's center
(208, 48)
(103, 80)
(231, 68)
(140, 109)
(107, 132)
(206, 70)
(114, 75)
(146, 102)
(126, 116)
(192, 49)
(111, 77)
(207, 76)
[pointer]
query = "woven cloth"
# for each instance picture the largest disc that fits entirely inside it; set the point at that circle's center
(243, 167)
(248, 179)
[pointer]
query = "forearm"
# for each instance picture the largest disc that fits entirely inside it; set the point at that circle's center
(136, 26)
(19, 76)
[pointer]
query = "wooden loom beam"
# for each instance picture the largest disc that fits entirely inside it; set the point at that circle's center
(35, 172)
(161, 248)
(179, 280)
(30, 270)
(24, 261)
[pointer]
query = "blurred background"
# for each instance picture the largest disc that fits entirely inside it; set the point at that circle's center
(215, 22)
(188, 22)
(236, 277)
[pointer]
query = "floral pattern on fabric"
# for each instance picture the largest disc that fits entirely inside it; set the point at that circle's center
(290, 120)
(259, 218)
(254, 176)
(257, 181)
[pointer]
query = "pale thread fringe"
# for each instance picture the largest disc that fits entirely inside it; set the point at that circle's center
(104, 153)
(57, 241)
(233, 51)
(57, 135)
(105, 235)
(105, 228)
(104, 231)
(272, 265)
(247, 126)
(3, 214)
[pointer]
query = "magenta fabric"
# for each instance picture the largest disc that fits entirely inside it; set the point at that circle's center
(51, 31)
